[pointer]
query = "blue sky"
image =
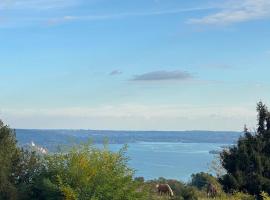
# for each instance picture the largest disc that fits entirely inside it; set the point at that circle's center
(134, 65)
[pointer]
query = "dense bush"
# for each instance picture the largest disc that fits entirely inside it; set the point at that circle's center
(202, 179)
(86, 172)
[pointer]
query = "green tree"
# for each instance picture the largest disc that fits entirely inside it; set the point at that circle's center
(18, 167)
(28, 168)
(248, 162)
(9, 158)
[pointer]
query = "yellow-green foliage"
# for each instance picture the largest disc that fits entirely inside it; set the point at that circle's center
(203, 196)
(235, 196)
(68, 192)
(265, 196)
(242, 196)
(88, 173)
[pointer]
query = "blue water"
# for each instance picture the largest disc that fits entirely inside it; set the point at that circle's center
(169, 160)
(153, 154)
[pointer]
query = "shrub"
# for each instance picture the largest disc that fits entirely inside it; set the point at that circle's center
(86, 172)
(265, 196)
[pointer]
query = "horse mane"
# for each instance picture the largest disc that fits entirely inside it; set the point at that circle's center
(170, 189)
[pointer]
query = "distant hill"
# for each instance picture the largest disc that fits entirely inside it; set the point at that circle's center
(50, 139)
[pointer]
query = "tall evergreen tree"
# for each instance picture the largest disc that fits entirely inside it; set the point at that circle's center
(248, 162)
(262, 117)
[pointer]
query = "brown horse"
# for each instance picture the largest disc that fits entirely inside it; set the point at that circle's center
(164, 189)
(211, 190)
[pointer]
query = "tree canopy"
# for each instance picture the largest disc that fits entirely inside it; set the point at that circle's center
(248, 162)
(9, 156)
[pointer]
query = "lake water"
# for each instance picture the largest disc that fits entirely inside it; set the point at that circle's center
(153, 154)
(169, 160)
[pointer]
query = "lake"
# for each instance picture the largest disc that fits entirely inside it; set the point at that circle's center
(153, 154)
(169, 160)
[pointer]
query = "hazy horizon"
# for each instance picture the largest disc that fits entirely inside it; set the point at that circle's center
(125, 130)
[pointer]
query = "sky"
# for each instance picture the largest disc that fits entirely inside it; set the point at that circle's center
(134, 65)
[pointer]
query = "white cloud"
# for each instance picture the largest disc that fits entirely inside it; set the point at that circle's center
(70, 18)
(235, 11)
(26, 12)
(134, 116)
(36, 4)
(145, 111)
